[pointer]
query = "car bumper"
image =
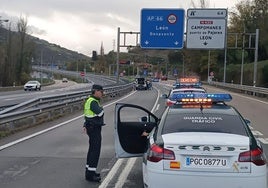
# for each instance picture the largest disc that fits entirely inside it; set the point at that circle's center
(160, 178)
(29, 88)
(141, 87)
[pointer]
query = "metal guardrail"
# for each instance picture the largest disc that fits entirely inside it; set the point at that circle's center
(256, 91)
(48, 108)
(251, 90)
(45, 109)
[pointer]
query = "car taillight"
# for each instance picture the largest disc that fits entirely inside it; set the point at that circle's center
(170, 103)
(255, 156)
(158, 153)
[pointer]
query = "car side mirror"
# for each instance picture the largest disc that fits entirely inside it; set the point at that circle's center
(144, 119)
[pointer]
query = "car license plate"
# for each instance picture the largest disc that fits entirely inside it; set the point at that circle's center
(202, 161)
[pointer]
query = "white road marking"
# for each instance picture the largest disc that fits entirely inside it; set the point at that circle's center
(263, 140)
(51, 128)
(116, 166)
(128, 167)
(112, 172)
(36, 134)
(157, 107)
(124, 174)
(257, 133)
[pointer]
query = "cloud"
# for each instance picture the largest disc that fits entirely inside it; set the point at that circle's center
(82, 25)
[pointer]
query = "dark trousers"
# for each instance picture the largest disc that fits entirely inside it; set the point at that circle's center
(93, 154)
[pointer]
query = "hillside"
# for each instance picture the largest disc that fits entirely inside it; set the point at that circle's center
(49, 53)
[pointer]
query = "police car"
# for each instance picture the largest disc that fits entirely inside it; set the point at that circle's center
(188, 82)
(199, 142)
(171, 97)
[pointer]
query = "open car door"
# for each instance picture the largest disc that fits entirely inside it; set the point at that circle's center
(130, 122)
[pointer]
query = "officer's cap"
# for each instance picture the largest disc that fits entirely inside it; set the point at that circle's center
(97, 87)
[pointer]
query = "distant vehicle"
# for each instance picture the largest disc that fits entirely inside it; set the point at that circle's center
(64, 80)
(164, 78)
(198, 142)
(32, 85)
(188, 82)
(140, 84)
(155, 79)
(174, 93)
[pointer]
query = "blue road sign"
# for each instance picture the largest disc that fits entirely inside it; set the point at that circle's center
(162, 28)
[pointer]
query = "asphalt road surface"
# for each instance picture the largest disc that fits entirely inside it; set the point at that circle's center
(54, 154)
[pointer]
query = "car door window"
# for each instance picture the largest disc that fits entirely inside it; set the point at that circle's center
(131, 124)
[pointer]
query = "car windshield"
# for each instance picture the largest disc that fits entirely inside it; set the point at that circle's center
(140, 80)
(203, 122)
(32, 82)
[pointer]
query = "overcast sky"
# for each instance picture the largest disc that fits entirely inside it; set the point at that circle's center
(82, 25)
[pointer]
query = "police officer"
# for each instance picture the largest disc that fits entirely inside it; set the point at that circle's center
(93, 113)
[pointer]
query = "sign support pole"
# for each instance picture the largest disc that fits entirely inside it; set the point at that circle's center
(256, 57)
(117, 55)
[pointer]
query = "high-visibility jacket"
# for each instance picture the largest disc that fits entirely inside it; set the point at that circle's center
(87, 111)
(90, 116)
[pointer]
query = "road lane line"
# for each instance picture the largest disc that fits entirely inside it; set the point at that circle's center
(112, 172)
(124, 174)
(54, 127)
(118, 163)
(129, 165)
(263, 140)
(255, 132)
(36, 134)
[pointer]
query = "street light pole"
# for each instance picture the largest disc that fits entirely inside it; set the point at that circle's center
(256, 58)
(225, 55)
(117, 55)
(41, 62)
(243, 55)
(243, 49)
(77, 69)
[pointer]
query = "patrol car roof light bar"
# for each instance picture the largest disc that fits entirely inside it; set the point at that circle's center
(202, 97)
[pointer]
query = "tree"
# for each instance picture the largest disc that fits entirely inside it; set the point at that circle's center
(252, 15)
(17, 55)
(202, 4)
(22, 64)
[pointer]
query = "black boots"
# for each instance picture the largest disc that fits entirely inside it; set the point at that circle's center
(92, 176)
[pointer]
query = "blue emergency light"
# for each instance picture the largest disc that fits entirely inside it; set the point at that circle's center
(213, 97)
